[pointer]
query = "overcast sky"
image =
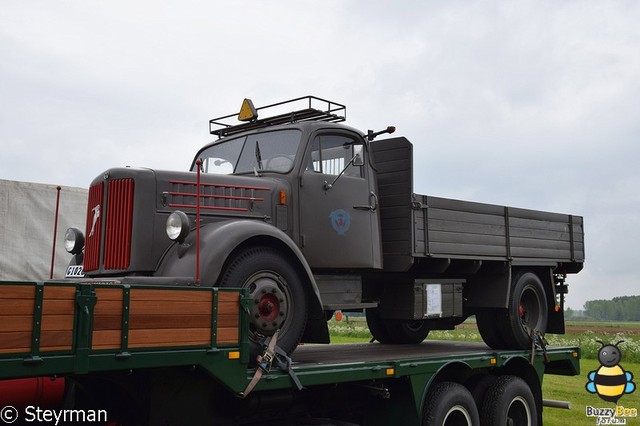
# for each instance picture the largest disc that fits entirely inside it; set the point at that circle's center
(532, 104)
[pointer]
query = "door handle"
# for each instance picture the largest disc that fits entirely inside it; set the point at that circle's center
(373, 203)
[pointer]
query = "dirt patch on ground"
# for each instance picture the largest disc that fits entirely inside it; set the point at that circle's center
(577, 329)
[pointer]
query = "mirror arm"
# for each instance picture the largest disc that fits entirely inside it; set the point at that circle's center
(328, 186)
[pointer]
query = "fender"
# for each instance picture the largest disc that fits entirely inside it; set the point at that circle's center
(218, 240)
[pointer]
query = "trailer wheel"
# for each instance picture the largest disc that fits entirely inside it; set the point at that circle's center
(509, 401)
(278, 297)
(527, 311)
(450, 404)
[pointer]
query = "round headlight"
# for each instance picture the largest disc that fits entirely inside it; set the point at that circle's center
(74, 241)
(177, 226)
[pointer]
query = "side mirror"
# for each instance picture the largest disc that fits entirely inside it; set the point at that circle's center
(358, 157)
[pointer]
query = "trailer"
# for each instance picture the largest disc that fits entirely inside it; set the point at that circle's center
(89, 351)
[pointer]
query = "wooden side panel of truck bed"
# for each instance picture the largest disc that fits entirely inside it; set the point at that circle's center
(39, 318)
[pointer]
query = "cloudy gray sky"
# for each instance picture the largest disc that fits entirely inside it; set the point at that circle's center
(534, 104)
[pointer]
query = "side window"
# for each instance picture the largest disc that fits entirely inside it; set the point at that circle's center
(331, 153)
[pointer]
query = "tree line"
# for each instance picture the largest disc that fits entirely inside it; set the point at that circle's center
(624, 308)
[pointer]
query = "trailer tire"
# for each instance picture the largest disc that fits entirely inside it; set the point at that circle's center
(278, 296)
(527, 311)
(509, 400)
(449, 404)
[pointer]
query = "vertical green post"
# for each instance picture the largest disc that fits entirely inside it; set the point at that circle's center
(37, 324)
(85, 302)
(124, 326)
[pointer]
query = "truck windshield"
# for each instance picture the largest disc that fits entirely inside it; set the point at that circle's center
(265, 152)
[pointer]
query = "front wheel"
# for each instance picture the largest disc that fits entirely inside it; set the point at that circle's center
(278, 300)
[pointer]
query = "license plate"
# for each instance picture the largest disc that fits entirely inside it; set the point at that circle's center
(75, 271)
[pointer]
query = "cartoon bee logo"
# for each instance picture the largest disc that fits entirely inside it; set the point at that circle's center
(610, 381)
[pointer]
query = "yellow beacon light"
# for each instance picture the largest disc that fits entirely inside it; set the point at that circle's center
(247, 111)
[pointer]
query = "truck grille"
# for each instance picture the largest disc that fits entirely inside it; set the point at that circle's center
(116, 212)
(94, 228)
(117, 245)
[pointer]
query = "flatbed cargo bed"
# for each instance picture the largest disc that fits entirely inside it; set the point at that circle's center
(416, 226)
(78, 328)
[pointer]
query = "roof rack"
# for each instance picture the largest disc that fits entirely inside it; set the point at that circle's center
(317, 109)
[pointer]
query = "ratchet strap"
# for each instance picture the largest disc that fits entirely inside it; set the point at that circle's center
(538, 341)
(272, 356)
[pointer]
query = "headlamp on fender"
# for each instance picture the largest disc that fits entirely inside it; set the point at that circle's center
(177, 226)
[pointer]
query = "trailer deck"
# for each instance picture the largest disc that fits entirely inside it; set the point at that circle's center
(71, 328)
(86, 331)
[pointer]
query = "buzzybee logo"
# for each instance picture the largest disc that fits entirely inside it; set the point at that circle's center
(610, 382)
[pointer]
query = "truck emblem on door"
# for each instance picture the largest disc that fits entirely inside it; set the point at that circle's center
(96, 216)
(340, 220)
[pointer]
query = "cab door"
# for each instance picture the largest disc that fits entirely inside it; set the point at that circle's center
(339, 226)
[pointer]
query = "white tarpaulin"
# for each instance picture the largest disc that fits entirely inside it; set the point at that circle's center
(27, 217)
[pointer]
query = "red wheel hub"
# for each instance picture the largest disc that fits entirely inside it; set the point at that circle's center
(269, 307)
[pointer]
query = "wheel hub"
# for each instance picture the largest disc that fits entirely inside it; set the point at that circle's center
(269, 307)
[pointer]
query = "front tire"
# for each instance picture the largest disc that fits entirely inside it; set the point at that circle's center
(278, 297)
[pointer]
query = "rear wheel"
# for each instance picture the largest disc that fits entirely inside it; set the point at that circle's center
(408, 332)
(450, 404)
(396, 331)
(377, 326)
(488, 321)
(278, 298)
(509, 401)
(527, 311)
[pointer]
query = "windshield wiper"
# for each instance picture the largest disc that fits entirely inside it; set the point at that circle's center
(258, 159)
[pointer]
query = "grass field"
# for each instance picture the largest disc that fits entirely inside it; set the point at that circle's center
(564, 388)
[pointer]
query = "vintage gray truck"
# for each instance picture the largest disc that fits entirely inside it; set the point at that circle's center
(312, 216)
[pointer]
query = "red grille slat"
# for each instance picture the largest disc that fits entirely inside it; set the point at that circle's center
(119, 220)
(190, 206)
(217, 185)
(214, 196)
(93, 231)
(222, 197)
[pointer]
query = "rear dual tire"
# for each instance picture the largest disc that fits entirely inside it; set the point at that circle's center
(449, 404)
(509, 401)
(503, 400)
(527, 312)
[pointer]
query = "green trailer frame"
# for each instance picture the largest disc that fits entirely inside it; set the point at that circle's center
(82, 328)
